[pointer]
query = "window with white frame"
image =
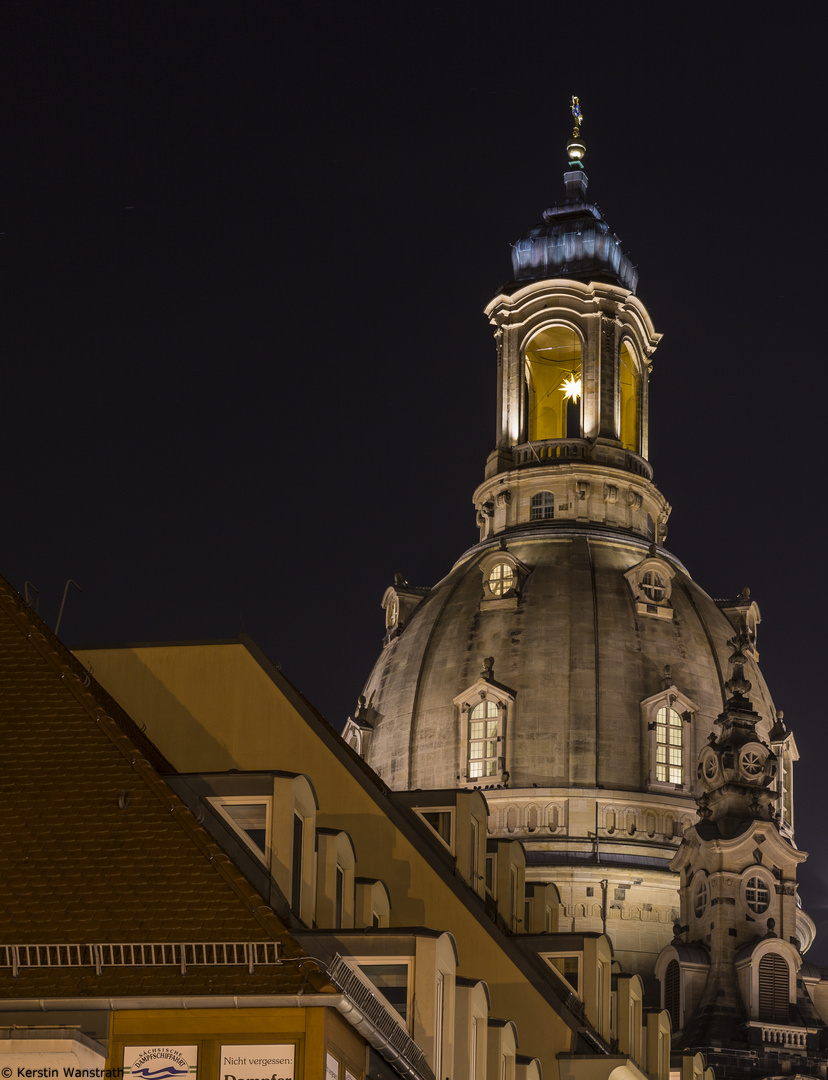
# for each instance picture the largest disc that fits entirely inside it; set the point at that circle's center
(392, 979)
(249, 818)
(483, 710)
(669, 746)
(667, 718)
(568, 966)
(542, 506)
(483, 756)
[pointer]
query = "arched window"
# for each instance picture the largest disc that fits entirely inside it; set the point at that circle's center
(553, 383)
(542, 506)
(672, 993)
(774, 992)
(483, 740)
(669, 746)
(700, 901)
(630, 398)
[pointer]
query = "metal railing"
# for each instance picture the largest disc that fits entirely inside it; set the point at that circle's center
(249, 954)
(345, 978)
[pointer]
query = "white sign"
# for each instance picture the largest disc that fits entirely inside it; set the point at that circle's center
(160, 1062)
(261, 1061)
(331, 1067)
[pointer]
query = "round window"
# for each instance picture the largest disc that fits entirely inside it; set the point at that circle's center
(702, 894)
(501, 579)
(653, 585)
(757, 895)
(752, 762)
(710, 765)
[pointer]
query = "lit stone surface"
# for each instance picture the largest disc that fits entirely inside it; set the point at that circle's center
(545, 652)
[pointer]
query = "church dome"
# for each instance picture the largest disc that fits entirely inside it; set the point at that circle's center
(579, 663)
(568, 665)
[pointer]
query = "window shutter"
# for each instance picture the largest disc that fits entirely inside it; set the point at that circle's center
(672, 993)
(773, 988)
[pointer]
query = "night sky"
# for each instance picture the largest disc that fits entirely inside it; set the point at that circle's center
(245, 250)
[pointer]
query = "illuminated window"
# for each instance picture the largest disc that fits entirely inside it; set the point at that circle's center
(757, 895)
(553, 384)
(542, 506)
(630, 398)
(669, 747)
(501, 579)
(483, 740)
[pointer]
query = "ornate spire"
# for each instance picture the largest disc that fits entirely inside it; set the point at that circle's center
(575, 148)
(737, 767)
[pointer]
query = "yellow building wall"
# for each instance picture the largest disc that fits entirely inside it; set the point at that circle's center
(315, 1033)
(213, 707)
(209, 1029)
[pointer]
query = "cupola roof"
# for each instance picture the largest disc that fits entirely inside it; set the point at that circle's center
(574, 240)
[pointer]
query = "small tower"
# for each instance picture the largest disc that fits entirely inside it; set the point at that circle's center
(574, 348)
(730, 977)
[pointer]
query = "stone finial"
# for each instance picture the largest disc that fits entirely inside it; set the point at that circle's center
(488, 669)
(667, 677)
(399, 581)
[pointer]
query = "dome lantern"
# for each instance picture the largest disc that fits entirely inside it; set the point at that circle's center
(574, 359)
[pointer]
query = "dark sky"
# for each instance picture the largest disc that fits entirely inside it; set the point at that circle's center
(246, 377)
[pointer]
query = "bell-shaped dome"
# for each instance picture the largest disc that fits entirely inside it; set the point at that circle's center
(607, 673)
(574, 241)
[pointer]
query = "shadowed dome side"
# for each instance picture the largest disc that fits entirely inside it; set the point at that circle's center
(576, 657)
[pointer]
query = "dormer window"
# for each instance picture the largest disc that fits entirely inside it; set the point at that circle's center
(484, 709)
(653, 587)
(667, 716)
(483, 741)
(501, 579)
(503, 576)
(650, 582)
(542, 506)
(669, 729)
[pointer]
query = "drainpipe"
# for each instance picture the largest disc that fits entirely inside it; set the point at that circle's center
(604, 888)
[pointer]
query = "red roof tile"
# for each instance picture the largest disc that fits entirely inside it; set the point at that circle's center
(96, 848)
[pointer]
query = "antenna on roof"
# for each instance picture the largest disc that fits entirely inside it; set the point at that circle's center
(71, 581)
(31, 595)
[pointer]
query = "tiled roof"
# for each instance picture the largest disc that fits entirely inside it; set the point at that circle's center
(95, 846)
